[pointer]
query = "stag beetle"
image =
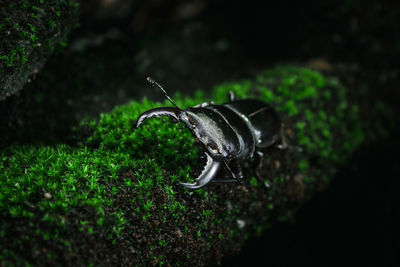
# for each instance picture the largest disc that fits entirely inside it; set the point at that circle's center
(231, 132)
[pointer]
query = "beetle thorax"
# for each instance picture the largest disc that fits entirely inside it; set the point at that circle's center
(209, 130)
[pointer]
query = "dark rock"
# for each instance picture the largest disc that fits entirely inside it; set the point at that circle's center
(31, 31)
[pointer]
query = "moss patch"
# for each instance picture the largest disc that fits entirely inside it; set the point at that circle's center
(115, 197)
(31, 31)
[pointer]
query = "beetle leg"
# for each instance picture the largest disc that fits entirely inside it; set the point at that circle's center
(224, 181)
(209, 172)
(240, 172)
(232, 96)
(157, 112)
(284, 144)
(202, 105)
(257, 165)
(238, 176)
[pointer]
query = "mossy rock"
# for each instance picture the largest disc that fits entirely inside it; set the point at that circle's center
(31, 31)
(116, 199)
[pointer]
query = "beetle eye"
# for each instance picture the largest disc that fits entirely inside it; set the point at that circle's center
(213, 147)
(191, 121)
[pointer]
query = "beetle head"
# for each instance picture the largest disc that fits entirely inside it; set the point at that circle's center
(203, 124)
(209, 130)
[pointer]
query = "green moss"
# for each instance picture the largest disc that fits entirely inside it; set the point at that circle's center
(254, 181)
(28, 40)
(120, 182)
(25, 28)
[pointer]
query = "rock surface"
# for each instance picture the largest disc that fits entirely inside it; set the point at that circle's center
(31, 31)
(115, 196)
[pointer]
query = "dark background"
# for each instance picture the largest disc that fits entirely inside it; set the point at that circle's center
(354, 222)
(194, 44)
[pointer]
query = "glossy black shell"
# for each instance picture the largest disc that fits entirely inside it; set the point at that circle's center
(244, 125)
(262, 120)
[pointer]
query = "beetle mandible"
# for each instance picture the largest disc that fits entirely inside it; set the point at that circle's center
(232, 132)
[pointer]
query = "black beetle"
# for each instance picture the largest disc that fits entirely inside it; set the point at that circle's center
(234, 131)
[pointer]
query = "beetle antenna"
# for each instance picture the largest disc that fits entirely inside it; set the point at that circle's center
(153, 82)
